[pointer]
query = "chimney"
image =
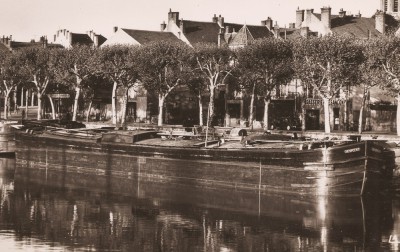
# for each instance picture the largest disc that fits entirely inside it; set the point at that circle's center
(299, 17)
(69, 34)
(326, 16)
(96, 41)
(342, 13)
(380, 21)
(221, 21)
(227, 29)
(292, 25)
(308, 16)
(268, 23)
(163, 26)
(174, 16)
(55, 38)
(181, 26)
(221, 36)
(304, 32)
(358, 15)
(43, 39)
(277, 30)
(115, 29)
(215, 19)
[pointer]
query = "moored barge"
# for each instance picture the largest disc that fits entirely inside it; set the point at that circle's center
(292, 166)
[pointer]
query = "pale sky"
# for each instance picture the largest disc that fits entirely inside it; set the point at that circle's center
(30, 19)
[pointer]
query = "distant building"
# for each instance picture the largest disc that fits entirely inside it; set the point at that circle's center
(217, 31)
(391, 7)
(68, 39)
(138, 37)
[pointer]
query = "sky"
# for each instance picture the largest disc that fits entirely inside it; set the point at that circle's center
(30, 19)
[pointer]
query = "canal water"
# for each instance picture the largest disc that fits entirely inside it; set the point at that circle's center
(42, 210)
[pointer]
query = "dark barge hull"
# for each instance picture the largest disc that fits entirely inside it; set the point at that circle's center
(343, 170)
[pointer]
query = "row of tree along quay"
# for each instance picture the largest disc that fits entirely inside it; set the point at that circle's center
(326, 64)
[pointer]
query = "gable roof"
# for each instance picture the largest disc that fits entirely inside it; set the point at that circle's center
(242, 38)
(359, 27)
(196, 31)
(143, 36)
(80, 38)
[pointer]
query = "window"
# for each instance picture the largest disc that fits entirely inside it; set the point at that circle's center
(396, 6)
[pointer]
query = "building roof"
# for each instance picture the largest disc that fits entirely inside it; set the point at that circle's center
(196, 31)
(143, 36)
(80, 38)
(359, 27)
(242, 38)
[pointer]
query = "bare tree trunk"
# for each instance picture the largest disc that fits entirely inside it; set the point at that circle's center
(53, 111)
(251, 113)
(303, 115)
(114, 105)
(266, 113)
(77, 94)
(26, 103)
(398, 115)
(326, 115)
(39, 112)
(6, 104)
(201, 122)
(161, 99)
(360, 118)
(211, 104)
(123, 108)
(15, 100)
(88, 111)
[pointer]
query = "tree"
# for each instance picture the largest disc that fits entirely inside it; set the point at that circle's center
(161, 69)
(214, 64)
(324, 63)
(265, 64)
(119, 64)
(388, 55)
(77, 62)
(370, 72)
(38, 65)
(11, 76)
(197, 85)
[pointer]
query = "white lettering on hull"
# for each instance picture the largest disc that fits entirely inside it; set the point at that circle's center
(352, 150)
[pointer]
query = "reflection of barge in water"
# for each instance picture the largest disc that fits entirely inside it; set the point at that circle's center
(329, 168)
(235, 219)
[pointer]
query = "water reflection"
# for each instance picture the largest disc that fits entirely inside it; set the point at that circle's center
(73, 211)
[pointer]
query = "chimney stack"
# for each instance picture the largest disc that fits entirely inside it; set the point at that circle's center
(215, 19)
(342, 13)
(299, 17)
(221, 21)
(268, 23)
(326, 16)
(221, 36)
(163, 26)
(115, 29)
(277, 30)
(380, 21)
(95, 40)
(174, 16)
(181, 26)
(309, 12)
